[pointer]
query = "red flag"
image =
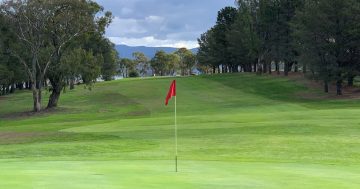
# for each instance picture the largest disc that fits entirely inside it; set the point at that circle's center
(171, 93)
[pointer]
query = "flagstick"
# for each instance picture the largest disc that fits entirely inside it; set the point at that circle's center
(176, 149)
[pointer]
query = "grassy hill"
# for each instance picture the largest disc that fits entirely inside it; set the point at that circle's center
(235, 131)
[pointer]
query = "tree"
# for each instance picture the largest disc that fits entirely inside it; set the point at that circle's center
(74, 25)
(327, 33)
(70, 64)
(286, 10)
(244, 42)
(126, 66)
(110, 55)
(187, 60)
(213, 50)
(158, 63)
(165, 64)
(172, 63)
(226, 17)
(142, 62)
(207, 55)
(28, 21)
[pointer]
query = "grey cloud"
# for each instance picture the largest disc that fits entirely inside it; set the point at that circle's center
(164, 20)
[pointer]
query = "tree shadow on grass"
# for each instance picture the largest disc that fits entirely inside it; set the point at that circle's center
(265, 86)
(28, 114)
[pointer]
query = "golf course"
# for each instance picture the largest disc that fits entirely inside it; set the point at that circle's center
(234, 131)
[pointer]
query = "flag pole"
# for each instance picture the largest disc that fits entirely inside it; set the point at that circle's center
(176, 145)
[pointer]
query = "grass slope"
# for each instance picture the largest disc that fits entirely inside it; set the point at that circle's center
(235, 131)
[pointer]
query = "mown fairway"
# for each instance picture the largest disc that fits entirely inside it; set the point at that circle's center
(235, 131)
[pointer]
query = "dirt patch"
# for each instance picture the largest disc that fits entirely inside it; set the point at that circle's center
(20, 137)
(24, 115)
(316, 88)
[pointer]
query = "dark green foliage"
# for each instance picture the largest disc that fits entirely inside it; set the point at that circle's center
(321, 36)
(12, 76)
(328, 35)
(53, 44)
(109, 66)
(126, 66)
(142, 64)
(213, 50)
(133, 73)
(165, 64)
(187, 60)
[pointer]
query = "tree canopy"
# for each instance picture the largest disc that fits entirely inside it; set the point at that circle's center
(54, 43)
(286, 35)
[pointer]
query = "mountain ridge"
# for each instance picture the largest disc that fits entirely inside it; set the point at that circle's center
(126, 51)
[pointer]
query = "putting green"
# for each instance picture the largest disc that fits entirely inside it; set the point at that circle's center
(160, 174)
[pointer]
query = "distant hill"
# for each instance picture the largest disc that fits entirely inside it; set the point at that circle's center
(126, 51)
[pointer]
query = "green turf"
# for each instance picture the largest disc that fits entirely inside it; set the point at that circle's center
(235, 131)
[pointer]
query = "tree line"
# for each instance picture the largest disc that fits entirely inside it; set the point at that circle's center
(180, 62)
(52, 44)
(318, 37)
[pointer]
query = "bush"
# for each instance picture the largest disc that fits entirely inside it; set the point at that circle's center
(133, 74)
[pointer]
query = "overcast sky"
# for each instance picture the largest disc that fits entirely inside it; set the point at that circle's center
(159, 23)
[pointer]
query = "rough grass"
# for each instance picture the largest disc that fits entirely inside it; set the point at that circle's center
(235, 131)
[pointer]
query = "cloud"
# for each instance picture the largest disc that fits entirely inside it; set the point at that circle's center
(151, 41)
(126, 11)
(154, 19)
(128, 26)
(161, 22)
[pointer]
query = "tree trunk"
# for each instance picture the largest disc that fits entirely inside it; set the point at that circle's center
(351, 81)
(265, 67)
(57, 86)
(339, 87)
(54, 98)
(20, 86)
(277, 68)
(36, 97)
(326, 87)
(55, 95)
(13, 87)
(72, 84)
(28, 85)
(286, 69)
(269, 69)
(304, 69)
(296, 67)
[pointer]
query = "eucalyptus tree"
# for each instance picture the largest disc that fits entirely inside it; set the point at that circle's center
(172, 63)
(75, 24)
(165, 64)
(158, 63)
(187, 60)
(142, 63)
(126, 66)
(45, 29)
(28, 19)
(111, 56)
